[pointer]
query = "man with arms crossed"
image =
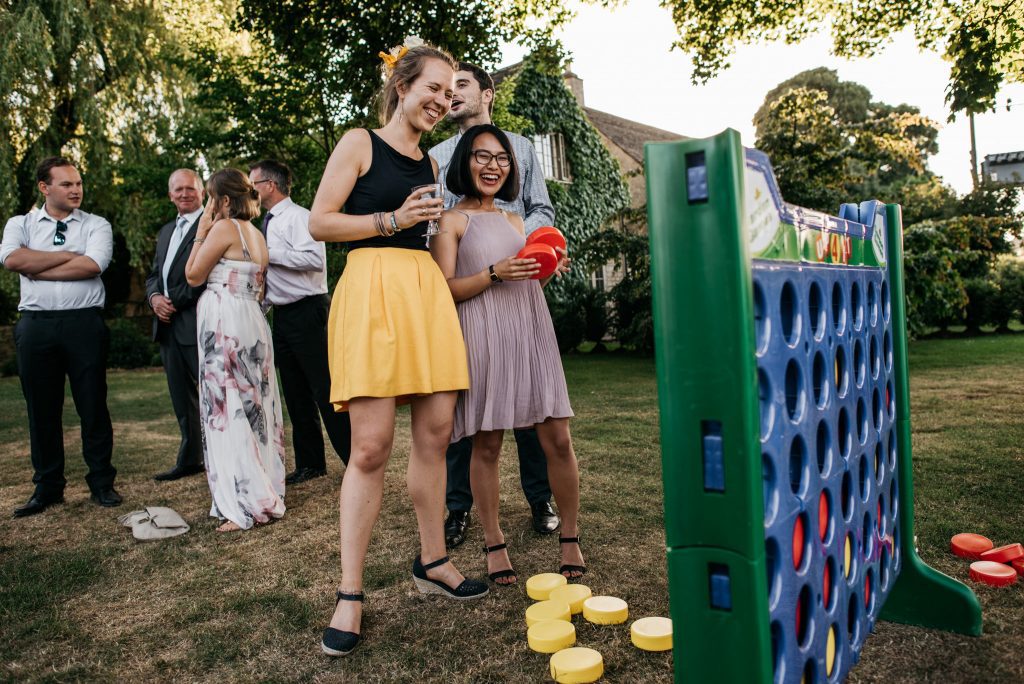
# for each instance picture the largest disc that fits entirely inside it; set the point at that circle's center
(174, 328)
(297, 289)
(60, 252)
(471, 106)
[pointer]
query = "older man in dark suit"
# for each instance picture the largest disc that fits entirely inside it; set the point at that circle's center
(174, 328)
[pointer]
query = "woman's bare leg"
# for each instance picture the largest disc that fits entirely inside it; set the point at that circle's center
(564, 475)
(373, 432)
(484, 481)
(432, 418)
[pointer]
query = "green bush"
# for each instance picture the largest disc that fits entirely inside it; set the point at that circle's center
(984, 305)
(1010, 277)
(567, 299)
(129, 346)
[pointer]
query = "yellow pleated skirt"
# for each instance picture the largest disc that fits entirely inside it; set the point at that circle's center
(393, 330)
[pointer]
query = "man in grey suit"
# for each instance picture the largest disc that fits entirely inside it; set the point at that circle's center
(174, 328)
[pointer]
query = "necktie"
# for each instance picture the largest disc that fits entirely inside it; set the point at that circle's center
(266, 222)
(172, 248)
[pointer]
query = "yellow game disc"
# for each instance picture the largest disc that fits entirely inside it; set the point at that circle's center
(539, 586)
(573, 594)
(551, 636)
(847, 557)
(652, 633)
(605, 610)
(547, 610)
(830, 651)
(577, 666)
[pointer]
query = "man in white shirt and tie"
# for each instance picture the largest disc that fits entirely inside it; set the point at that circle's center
(174, 301)
(60, 252)
(296, 287)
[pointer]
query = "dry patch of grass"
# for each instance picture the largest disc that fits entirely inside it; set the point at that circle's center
(80, 600)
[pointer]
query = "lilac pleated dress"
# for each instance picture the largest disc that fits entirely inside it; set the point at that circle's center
(515, 371)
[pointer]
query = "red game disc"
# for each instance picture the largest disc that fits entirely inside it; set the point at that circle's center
(547, 235)
(969, 546)
(798, 542)
(1018, 565)
(992, 573)
(822, 515)
(545, 256)
(1004, 554)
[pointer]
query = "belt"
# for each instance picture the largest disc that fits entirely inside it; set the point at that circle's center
(62, 313)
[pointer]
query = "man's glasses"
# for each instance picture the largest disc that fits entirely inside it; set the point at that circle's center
(265, 180)
(58, 237)
(483, 158)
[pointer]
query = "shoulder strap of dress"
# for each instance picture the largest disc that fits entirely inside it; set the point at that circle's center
(245, 247)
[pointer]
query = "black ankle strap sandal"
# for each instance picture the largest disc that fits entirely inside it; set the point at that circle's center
(468, 589)
(336, 642)
(500, 574)
(575, 571)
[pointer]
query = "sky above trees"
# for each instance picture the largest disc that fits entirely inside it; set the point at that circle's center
(624, 57)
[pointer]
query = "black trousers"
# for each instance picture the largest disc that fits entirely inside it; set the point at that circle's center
(533, 471)
(300, 354)
(181, 365)
(53, 345)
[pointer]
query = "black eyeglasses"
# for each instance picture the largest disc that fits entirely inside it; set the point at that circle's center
(483, 158)
(265, 180)
(58, 237)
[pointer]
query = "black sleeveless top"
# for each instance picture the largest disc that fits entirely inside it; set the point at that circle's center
(385, 187)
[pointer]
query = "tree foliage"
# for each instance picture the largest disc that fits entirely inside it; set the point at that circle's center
(831, 143)
(982, 39)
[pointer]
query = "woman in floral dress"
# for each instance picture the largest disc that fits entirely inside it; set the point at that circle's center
(239, 405)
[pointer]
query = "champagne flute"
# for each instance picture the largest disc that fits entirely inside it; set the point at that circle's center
(436, 190)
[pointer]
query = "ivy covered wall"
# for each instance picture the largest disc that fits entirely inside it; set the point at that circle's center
(597, 191)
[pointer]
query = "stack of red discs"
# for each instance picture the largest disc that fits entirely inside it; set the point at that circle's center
(541, 245)
(991, 565)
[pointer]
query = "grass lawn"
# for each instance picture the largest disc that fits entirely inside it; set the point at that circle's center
(81, 600)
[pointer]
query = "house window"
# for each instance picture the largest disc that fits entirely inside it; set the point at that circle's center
(551, 152)
(598, 279)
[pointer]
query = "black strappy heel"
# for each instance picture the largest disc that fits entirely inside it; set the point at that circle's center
(336, 642)
(468, 589)
(581, 569)
(500, 574)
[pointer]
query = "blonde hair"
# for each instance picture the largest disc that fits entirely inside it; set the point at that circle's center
(244, 200)
(405, 72)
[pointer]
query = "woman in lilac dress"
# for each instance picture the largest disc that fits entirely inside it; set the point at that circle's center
(515, 371)
(239, 405)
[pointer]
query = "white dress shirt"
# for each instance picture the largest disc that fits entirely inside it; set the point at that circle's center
(87, 235)
(182, 224)
(298, 263)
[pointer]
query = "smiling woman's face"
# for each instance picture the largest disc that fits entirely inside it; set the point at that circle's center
(489, 164)
(428, 98)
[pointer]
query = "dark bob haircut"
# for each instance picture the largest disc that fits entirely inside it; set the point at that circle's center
(459, 178)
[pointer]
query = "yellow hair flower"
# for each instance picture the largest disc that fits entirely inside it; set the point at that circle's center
(391, 59)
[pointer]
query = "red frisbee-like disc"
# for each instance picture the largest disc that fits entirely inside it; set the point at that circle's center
(547, 235)
(545, 256)
(992, 573)
(969, 546)
(1004, 554)
(1018, 565)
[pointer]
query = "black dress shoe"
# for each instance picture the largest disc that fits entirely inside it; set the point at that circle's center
(545, 520)
(107, 497)
(455, 528)
(37, 504)
(178, 472)
(303, 474)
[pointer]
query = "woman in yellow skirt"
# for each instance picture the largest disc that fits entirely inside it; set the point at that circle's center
(393, 334)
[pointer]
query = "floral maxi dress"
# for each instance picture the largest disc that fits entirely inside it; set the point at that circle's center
(239, 404)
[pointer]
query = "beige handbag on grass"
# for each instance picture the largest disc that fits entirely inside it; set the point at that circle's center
(154, 522)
